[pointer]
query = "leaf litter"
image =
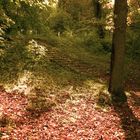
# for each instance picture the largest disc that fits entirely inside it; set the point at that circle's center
(72, 120)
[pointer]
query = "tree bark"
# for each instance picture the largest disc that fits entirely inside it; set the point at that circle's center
(116, 84)
(98, 15)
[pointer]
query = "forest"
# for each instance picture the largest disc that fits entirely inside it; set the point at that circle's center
(69, 69)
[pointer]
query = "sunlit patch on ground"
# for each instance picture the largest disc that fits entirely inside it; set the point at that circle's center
(23, 84)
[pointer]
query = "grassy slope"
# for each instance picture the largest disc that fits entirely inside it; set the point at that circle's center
(64, 64)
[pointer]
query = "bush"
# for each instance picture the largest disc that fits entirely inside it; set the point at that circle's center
(106, 45)
(91, 42)
(60, 21)
(133, 43)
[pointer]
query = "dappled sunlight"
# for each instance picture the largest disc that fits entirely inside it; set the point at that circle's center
(51, 3)
(22, 85)
(2, 52)
(2, 44)
(76, 118)
(36, 50)
(94, 85)
(55, 58)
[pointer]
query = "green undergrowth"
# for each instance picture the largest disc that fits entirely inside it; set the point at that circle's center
(60, 65)
(50, 74)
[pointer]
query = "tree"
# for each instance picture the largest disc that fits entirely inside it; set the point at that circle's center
(98, 15)
(116, 85)
(27, 16)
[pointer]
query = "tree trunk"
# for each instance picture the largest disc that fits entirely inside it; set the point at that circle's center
(98, 15)
(116, 85)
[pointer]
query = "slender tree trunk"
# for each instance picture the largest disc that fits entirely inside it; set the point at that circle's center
(98, 15)
(116, 85)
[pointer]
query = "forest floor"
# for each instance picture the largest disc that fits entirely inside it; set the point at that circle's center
(77, 119)
(60, 93)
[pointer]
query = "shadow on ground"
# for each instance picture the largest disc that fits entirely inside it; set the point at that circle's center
(130, 124)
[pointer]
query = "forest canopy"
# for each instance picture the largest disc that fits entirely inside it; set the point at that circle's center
(84, 19)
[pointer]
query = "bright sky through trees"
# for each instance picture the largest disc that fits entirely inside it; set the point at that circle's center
(113, 1)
